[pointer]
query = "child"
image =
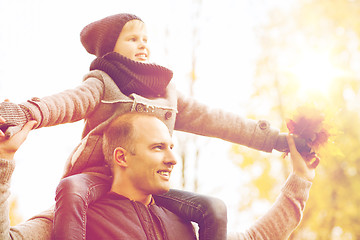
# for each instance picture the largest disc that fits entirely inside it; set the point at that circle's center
(122, 80)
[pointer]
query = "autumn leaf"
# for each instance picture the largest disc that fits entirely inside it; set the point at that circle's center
(309, 124)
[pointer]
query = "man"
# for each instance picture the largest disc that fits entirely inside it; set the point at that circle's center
(138, 148)
(141, 167)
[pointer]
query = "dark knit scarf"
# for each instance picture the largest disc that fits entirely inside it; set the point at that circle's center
(145, 79)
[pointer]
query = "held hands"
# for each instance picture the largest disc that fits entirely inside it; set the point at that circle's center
(281, 144)
(8, 146)
(301, 167)
(13, 118)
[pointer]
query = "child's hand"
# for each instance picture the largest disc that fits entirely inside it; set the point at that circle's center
(281, 144)
(301, 167)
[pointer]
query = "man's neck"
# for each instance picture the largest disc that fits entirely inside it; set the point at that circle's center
(133, 195)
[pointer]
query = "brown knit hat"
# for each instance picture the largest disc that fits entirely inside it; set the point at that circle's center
(100, 37)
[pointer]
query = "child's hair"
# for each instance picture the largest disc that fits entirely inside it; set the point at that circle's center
(100, 37)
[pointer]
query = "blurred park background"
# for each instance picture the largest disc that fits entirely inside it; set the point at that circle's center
(261, 59)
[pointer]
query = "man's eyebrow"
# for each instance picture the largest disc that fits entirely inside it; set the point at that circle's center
(157, 144)
(163, 144)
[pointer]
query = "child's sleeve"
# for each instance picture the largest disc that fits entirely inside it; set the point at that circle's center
(64, 107)
(15, 117)
(198, 118)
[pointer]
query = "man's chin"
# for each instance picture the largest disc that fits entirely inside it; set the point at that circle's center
(162, 191)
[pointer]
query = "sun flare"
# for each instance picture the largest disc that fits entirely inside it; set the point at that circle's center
(314, 72)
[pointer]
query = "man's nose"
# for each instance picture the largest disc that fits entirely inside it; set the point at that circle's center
(170, 157)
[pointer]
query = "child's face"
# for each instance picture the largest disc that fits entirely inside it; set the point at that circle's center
(132, 41)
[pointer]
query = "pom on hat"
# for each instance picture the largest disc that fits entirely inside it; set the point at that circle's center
(100, 37)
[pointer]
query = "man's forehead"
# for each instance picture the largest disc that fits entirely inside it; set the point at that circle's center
(152, 128)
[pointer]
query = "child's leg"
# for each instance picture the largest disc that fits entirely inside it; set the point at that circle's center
(208, 212)
(73, 196)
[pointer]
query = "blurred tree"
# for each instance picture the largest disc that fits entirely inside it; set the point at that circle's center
(310, 54)
(189, 145)
(15, 217)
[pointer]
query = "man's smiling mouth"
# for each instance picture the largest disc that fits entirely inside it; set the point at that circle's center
(164, 173)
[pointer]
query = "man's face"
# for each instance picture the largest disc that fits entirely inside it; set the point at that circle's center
(132, 41)
(149, 169)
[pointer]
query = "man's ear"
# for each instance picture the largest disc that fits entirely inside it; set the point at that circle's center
(120, 157)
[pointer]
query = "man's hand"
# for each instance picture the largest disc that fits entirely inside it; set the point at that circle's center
(301, 167)
(9, 146)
